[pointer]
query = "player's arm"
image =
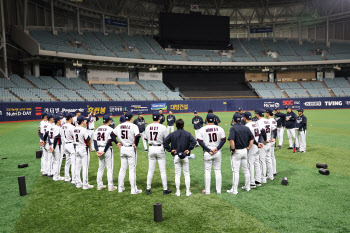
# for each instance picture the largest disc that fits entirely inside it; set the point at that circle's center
(137, 135)
(218, 120)
(96, 118)
(114, 135)
(56, 140)
(193, 142)
(251, 140)
(201, 143)
(222, 141)
(231, 138)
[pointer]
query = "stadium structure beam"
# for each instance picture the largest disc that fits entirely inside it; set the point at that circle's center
(25, 17)
(327, 33)
(78, 20)
(52, 18)
(103, 24)
(3, 39)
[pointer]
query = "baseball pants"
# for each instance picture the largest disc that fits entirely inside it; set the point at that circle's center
(69, 150)
(91, 134)
(143, 135)
(170, 129)
(185, 166)
(266, 162)
(196, 132)
(254, 165)
(56, 165)
(127, 157)
(49, 163)
(302, 138)
(210, 161)
(273, 158)
(105, 161)
(239, 160)
(44, 160)
(292, 135)
(82, 163)
(156, 154)
(280, 133)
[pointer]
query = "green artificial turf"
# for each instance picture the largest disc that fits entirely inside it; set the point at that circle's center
(310, 203)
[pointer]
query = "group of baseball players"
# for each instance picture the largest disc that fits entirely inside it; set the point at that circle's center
(252, 142)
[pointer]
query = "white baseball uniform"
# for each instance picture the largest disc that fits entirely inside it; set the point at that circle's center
(50, 154)
(155, 133)
(273, 124)
(74, 121)
(90, 126)
(102, 136)
(81, 140)
(41, 125)
(57, 154)
(212, 135)
(45, 127)
(67, 136)
(253, 154)
(265, 152)
(127, 133)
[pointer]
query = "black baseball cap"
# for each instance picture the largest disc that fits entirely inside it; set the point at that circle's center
(260, 112)
(301, 110)
(106, 118)
(210, 117)
(195, 111)
(49, 116)
(156, 116)
(69, 116)
(247, 115)
(57, 118)
(269, 111)
(128, 115)
(43, 114)
(237, 117)
(286, 107)
(277, 108)
(80, 119)
(140, 113)
(77, 111)
(240, 109)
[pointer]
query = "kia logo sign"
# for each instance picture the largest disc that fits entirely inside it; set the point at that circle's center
(287, 102)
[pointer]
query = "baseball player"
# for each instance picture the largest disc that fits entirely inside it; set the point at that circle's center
(265, 152)
(301, 127)
(182, 142)
(41, 136)
(162, 117)
(211, 138)
(273, 123)
(63, 120)
(57, 150)
(48, 139)
(291, 128)
(241, 140)
(102, 144)
(90, 125)
(217, 120)
(67, 136)
(140, 122)
(129, 136)
(171, 121)
(122, 117)
(77, 114)
(240, 112)
(82, 144)
(155, 135)
(253, 153)
(197, 122)
(280, 118)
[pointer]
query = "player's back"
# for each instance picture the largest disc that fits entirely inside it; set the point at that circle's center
(156, 133)
(254, 128)
(68, 133)
(265, 124)
(80, 136)
(211, 135)
(102, 135)
(273, 123)
(126, 133)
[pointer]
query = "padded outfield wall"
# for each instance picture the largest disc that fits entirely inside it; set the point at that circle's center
(31, 111)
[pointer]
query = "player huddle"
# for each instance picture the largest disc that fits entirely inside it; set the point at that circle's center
(252, 142)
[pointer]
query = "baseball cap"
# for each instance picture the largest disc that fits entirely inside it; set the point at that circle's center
(195, 111)
(57, 118)
(128, 115)
(80, 119)
(269, 111)
(247, 115)
(259, 111)
(69, 115)
(301, 110)
(210, 117)
(125, 110)
(106, 118)
(240, 109)
(49, 116)
(43, 114)
(140, 113)
(77, 111)
(156, 116)
(237, 117)
(287, 107)
(277, 108)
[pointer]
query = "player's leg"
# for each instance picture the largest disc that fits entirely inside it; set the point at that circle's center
(290, 137)
(44, 159)
(67, 165)
(273, 158)
(122, 171)
(257, 168)
(217, 171)
(55, 163)
(162, 168)
(235, 164)
(251, 166)
(152, 161)
(85, 165)
(296, 138)
(280, 136)
(100, 170)
(78, 166)
(245, 170)
(207, 162)
(132, 171)
(109, 161)
(49, 165)
(302, 137)
(262, 160)
(60, 161)
(186, 170)
(177, 166)
(144, 142)
(73, 165)
(268, 158)
(171, 129)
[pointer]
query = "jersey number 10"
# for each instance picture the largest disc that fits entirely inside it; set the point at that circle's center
(213, 137)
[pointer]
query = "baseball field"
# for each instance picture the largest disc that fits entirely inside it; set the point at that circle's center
(310, 203)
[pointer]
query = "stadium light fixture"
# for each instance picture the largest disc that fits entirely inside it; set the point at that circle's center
(77, 64)
(337, 67)
(152, 68)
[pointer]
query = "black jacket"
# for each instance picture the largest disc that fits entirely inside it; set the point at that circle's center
(180, 141)
(292, 119)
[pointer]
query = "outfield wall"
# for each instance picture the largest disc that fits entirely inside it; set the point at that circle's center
(31, 111)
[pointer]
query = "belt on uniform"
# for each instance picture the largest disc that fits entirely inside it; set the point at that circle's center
(127, 146)
(156, 145)
(68, 142)
(91, 129)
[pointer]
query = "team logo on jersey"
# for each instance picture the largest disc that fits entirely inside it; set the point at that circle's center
(159, 106)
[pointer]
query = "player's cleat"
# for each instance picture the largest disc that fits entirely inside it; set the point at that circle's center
(275, 174)
(146, 150)
(297, 148)
(290, 148)
(246, 188)
(50, 176)
(258, 184)
(148, 192)
(188, 193)
(253, 186)
(44, 174)
(89, 186)
(232, 192)
(280, 147)
(302, 151)
(121, 190)
(177, 193)
(137, 191)
(218, 192)
(72, 183)
(112, 189)
(102, 187)
(79, 186)
(203, 191)
(166, 192)
(263, 181)
(270, 178)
